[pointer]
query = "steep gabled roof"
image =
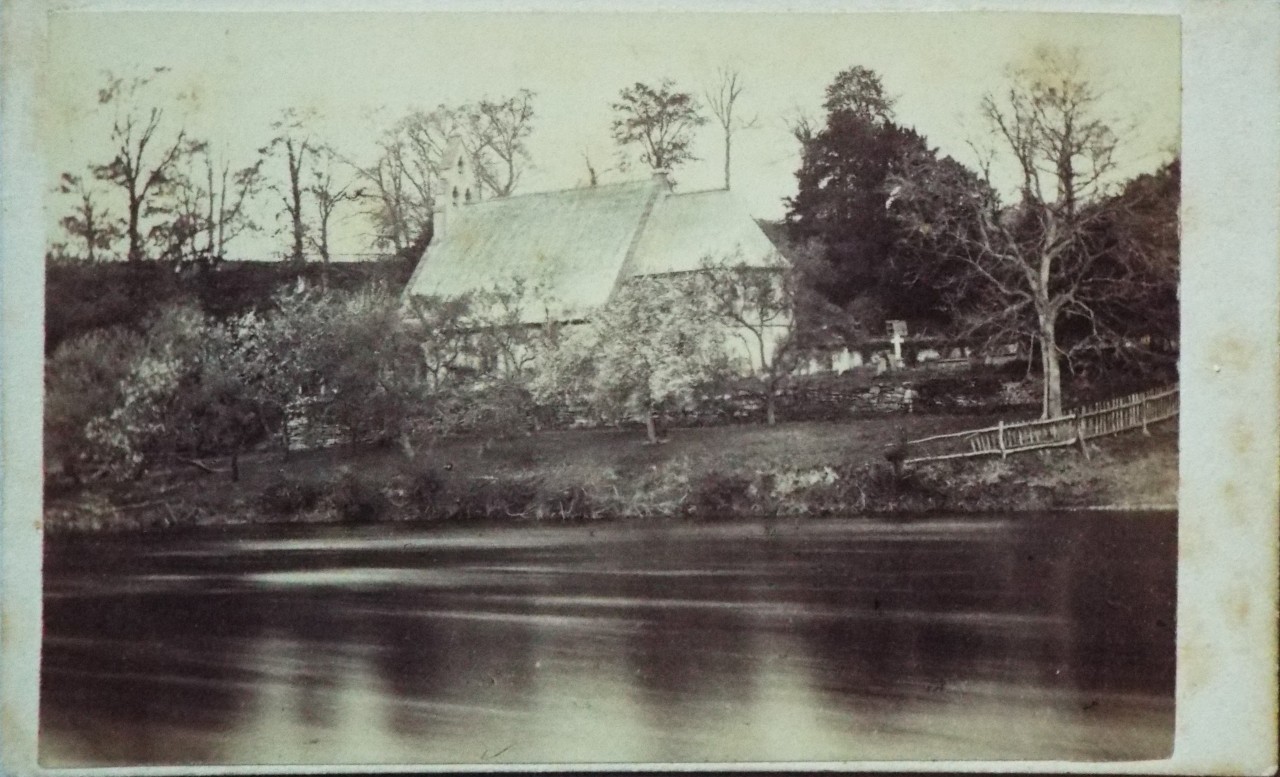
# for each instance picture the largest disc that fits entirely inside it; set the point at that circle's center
(571, 248)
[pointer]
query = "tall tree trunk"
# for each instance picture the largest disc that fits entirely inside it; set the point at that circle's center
(91, 230)
(135, 239)
(324, 250)
(771, 379)
(728, 151)
(214, 203)
(297, 254)
(295, 191)
(284, 437)
(1051, 369)
(650, 428)
(235, 466)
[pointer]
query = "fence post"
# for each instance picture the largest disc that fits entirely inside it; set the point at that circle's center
(1080, 434)
(1143, 409)
(1004, 453)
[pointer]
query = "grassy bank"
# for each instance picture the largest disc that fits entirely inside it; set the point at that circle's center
(705, 473)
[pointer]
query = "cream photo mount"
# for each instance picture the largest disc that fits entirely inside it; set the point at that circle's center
(1229, 430)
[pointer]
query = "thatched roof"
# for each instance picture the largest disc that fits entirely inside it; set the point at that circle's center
(571, 248)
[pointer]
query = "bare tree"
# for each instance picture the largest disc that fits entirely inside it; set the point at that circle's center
(1017, 271)
(802, 125)
(721, 99)
(498, 130)
(772, 307)
(593, 177)
(596, 174)
(406, 179)
(398, 195)
(503, 339)
(205, 202)
(445, 327)
(327, 193)
(293, 141)
(140, 166)
(492, 132)
(757, 306)
(403, 181)
(182, 206)
(660, 120)
(229, 194)
(90, 221)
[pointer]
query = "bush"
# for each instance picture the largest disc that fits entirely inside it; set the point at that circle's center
(357, 500)
(716, 494)
(85, 380)
(496, 498)
(427, 493)
(500, 410)
(877, 487)
(285, 496)
(570, 504)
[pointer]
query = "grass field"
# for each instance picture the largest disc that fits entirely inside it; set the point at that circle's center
(575, 456)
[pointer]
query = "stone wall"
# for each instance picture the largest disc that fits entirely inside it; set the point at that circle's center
(826, 397)
(837, 398)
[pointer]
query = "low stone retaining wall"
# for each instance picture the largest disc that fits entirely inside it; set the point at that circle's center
(836, 398)
(807, 398)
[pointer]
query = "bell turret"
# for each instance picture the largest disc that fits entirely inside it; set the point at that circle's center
(457, 186)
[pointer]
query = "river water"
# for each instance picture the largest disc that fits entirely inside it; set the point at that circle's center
(1036, 636)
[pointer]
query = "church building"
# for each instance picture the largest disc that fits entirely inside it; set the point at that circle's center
(572, 249)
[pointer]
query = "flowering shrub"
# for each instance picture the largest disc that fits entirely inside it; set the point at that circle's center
(84, 380)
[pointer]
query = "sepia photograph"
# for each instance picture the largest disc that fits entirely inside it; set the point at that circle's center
(490, 389)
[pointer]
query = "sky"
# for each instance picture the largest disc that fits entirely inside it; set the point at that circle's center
(232, 73)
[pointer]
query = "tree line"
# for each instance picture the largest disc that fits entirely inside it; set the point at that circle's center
(164, 194)
(1074, 262)
(182, 198)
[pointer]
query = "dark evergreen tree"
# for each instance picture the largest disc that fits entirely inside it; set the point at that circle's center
(1139, 241)
(923, 278)
(842, 193)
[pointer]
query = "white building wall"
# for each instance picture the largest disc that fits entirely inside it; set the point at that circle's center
(743, 347)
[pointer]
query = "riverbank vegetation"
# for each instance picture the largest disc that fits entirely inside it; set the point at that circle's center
(719, 473)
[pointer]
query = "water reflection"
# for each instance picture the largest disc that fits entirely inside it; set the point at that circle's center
(1027, 637)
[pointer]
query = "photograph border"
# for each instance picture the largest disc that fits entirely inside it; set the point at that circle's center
(1229, 430)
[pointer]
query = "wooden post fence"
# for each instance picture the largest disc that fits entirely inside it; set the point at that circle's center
(1100, 419)
(1080, 438)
